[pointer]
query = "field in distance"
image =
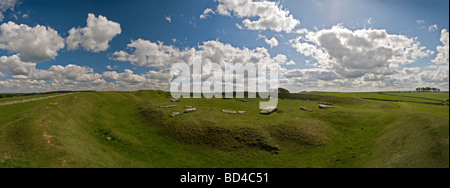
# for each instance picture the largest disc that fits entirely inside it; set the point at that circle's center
(130, 129)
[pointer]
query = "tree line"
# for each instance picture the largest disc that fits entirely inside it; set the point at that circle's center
(8, 95)
(428, 90)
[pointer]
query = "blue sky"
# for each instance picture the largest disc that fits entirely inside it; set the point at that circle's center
(421, 21)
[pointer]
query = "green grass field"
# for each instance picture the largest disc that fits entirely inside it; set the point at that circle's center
(416, 97)
(2, 100)
(129, 129)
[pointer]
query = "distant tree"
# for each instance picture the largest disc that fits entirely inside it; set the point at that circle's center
(282, 90)
(428, 90)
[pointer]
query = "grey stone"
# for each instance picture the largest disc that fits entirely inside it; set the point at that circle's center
(269, 110)
(175, 114)
(326, 104)
(322, 106)
(170, 106)
(229, 111)
(190, 110)
(305, 109)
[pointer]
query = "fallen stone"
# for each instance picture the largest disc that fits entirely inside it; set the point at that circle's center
(322, 106)
(229, 111)
(269, 110)
(190, 110)
(305, 109)
(175, 100)
(175, 114)
(242, 112)
(326, 104)
(170, 106)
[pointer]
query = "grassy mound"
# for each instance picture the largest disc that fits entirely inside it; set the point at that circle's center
(210, 132)
(129, 129)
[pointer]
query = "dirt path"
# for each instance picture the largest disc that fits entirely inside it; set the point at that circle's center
(33, 99)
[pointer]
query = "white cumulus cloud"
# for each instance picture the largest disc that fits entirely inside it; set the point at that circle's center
(5, 5)
(14, 66)
(95, 36)
(157, 55)
(207, 13)
(34, 44)
(270, 15)
(432, 28)
(443, 55)
(152, 54)
(353, 54)
(273, 42)
(169, 19)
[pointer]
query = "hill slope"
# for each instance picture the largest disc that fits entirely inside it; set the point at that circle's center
(129, 129)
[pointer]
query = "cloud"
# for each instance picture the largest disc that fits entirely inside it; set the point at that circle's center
(150, 54)
(161, 57)
(411, 70)
(361, 60)
(432, 28)
(25, 77)
(369, 20)
(5, 5)
(169, 19)
(443, 55)
(439, 75)
(20, 85)
(270, 15)
(95, 37)
(109, 67)
(302, 31)
(353, 54)
(128, 76)
(34, 44)
(420, 22)
(290, 63)
(14, 66)
(273, 42)
(157, 55)
(74, 73)
(311, 75)
(207, 13)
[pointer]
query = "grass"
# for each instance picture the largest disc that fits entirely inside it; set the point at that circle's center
(128, 129)
(431, 96)
(2, 100)
(402, 97)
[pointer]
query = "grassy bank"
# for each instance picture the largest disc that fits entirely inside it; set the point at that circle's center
(129, 129)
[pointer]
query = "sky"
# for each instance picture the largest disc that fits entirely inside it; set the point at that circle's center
(318, 45)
